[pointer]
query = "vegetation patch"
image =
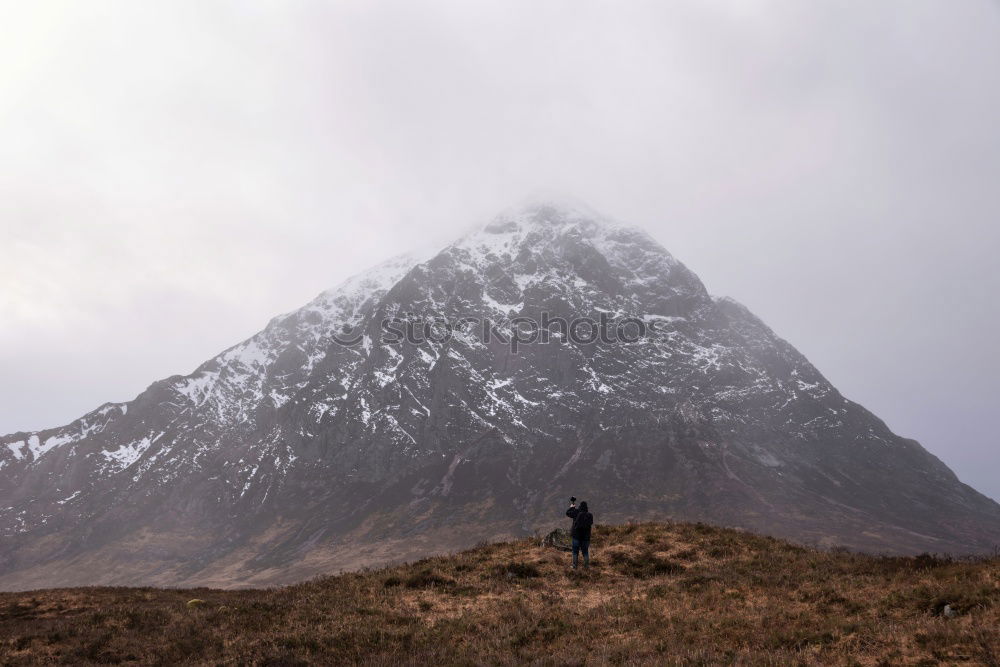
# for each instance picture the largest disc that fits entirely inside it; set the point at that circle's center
(427, 579)
(643, 564)
(518, 570)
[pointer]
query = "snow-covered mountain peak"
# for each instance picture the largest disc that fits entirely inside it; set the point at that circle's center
(551, 201)
(575, 252)
(550, 216)
(540, 225)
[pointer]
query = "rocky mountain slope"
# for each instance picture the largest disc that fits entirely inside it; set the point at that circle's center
(293, 453)
(654, 594)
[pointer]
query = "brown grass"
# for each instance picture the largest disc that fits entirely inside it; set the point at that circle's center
(656, 593)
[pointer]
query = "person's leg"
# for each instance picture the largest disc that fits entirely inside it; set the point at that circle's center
(585, 547)
(576, 551)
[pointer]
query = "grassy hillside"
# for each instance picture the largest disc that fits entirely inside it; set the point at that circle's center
(656, 593)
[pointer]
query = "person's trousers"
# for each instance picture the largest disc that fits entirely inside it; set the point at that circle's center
(578, 546)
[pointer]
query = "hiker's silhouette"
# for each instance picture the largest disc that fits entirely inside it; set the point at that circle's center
(580, 533)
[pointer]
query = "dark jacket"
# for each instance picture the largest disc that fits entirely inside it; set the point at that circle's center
(582, 521)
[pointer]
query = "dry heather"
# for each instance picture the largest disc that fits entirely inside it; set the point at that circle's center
(656, 593)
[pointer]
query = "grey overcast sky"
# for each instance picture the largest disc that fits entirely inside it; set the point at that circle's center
(173, 174)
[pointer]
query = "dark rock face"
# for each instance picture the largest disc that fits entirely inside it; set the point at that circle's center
(291, 454)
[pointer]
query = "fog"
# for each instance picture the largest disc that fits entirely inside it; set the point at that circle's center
(173, 174)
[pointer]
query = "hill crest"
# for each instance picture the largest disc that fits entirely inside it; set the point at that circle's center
(657, 593)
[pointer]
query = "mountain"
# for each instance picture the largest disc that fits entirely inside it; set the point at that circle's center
(654, 594)
(323, 442)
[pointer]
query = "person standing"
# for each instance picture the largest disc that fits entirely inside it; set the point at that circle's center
(583, 520)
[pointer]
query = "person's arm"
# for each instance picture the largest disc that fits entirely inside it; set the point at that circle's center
(572, 512)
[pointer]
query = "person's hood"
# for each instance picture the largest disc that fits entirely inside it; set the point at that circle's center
(583, 507)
